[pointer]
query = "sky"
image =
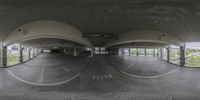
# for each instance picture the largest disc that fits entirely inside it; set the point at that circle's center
(193, 45)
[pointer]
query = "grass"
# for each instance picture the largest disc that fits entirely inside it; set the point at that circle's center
(193, 61)
(12, 59)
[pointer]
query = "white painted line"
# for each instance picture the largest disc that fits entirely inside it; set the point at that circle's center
(42, 84)
(157, 76)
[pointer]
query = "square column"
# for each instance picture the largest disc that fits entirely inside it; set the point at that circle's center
(21, 54)
(119, 51)
(145, 52)
(113, 51)
(137, 53)
(75, 52)
(33, 52)
(1, 50)
(36, 52)
(157, 52)
(4, 56)
(161, 53)
(66, 51)
(168, 54)
(182, 55)
(29, 53)
(154, 52)
(91, 53)
(122, 51)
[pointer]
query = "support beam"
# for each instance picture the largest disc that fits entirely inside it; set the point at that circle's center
(100, 35)
(137, 53)
(168, 54)
(129, 51)
(182, 55)
(29, 53)
(1, 53)
(36, 52)
(154, 52)
(33, 52)
(113, 51)
(1, 50)
(69, 51)
(4, 56)
(92, 53)
(161, 53)
(145, 52)
(157, 52)
(122, 51)
(21, 54)
(65, 51)
(75, 52)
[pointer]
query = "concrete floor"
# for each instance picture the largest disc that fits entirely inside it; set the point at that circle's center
(59, 77)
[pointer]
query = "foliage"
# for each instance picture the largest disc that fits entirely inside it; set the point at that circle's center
(193, 61)
(192, 58)
(12, 59)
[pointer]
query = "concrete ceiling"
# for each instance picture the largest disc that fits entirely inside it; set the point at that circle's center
(141, 45)
(49, 43)
(180, 18)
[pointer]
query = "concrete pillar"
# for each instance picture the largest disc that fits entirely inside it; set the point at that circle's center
(92, 53)
(21, 54)
(75, 52)
(33, 52)
(168, 54)
(69, 51)
(1, 50)
(40, 51)
(119, 51)
(157, 52)
(29, 53)
(36, 52)
(137, 53)
(154, 52)
(65, 51)
(113, 51)
(129, 51)
(161, 53)
(145, 52)
(122, 51)
(116, 51)
(182, 55)
(4, 56)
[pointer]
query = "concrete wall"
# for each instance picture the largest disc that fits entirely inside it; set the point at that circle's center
(46, 29)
